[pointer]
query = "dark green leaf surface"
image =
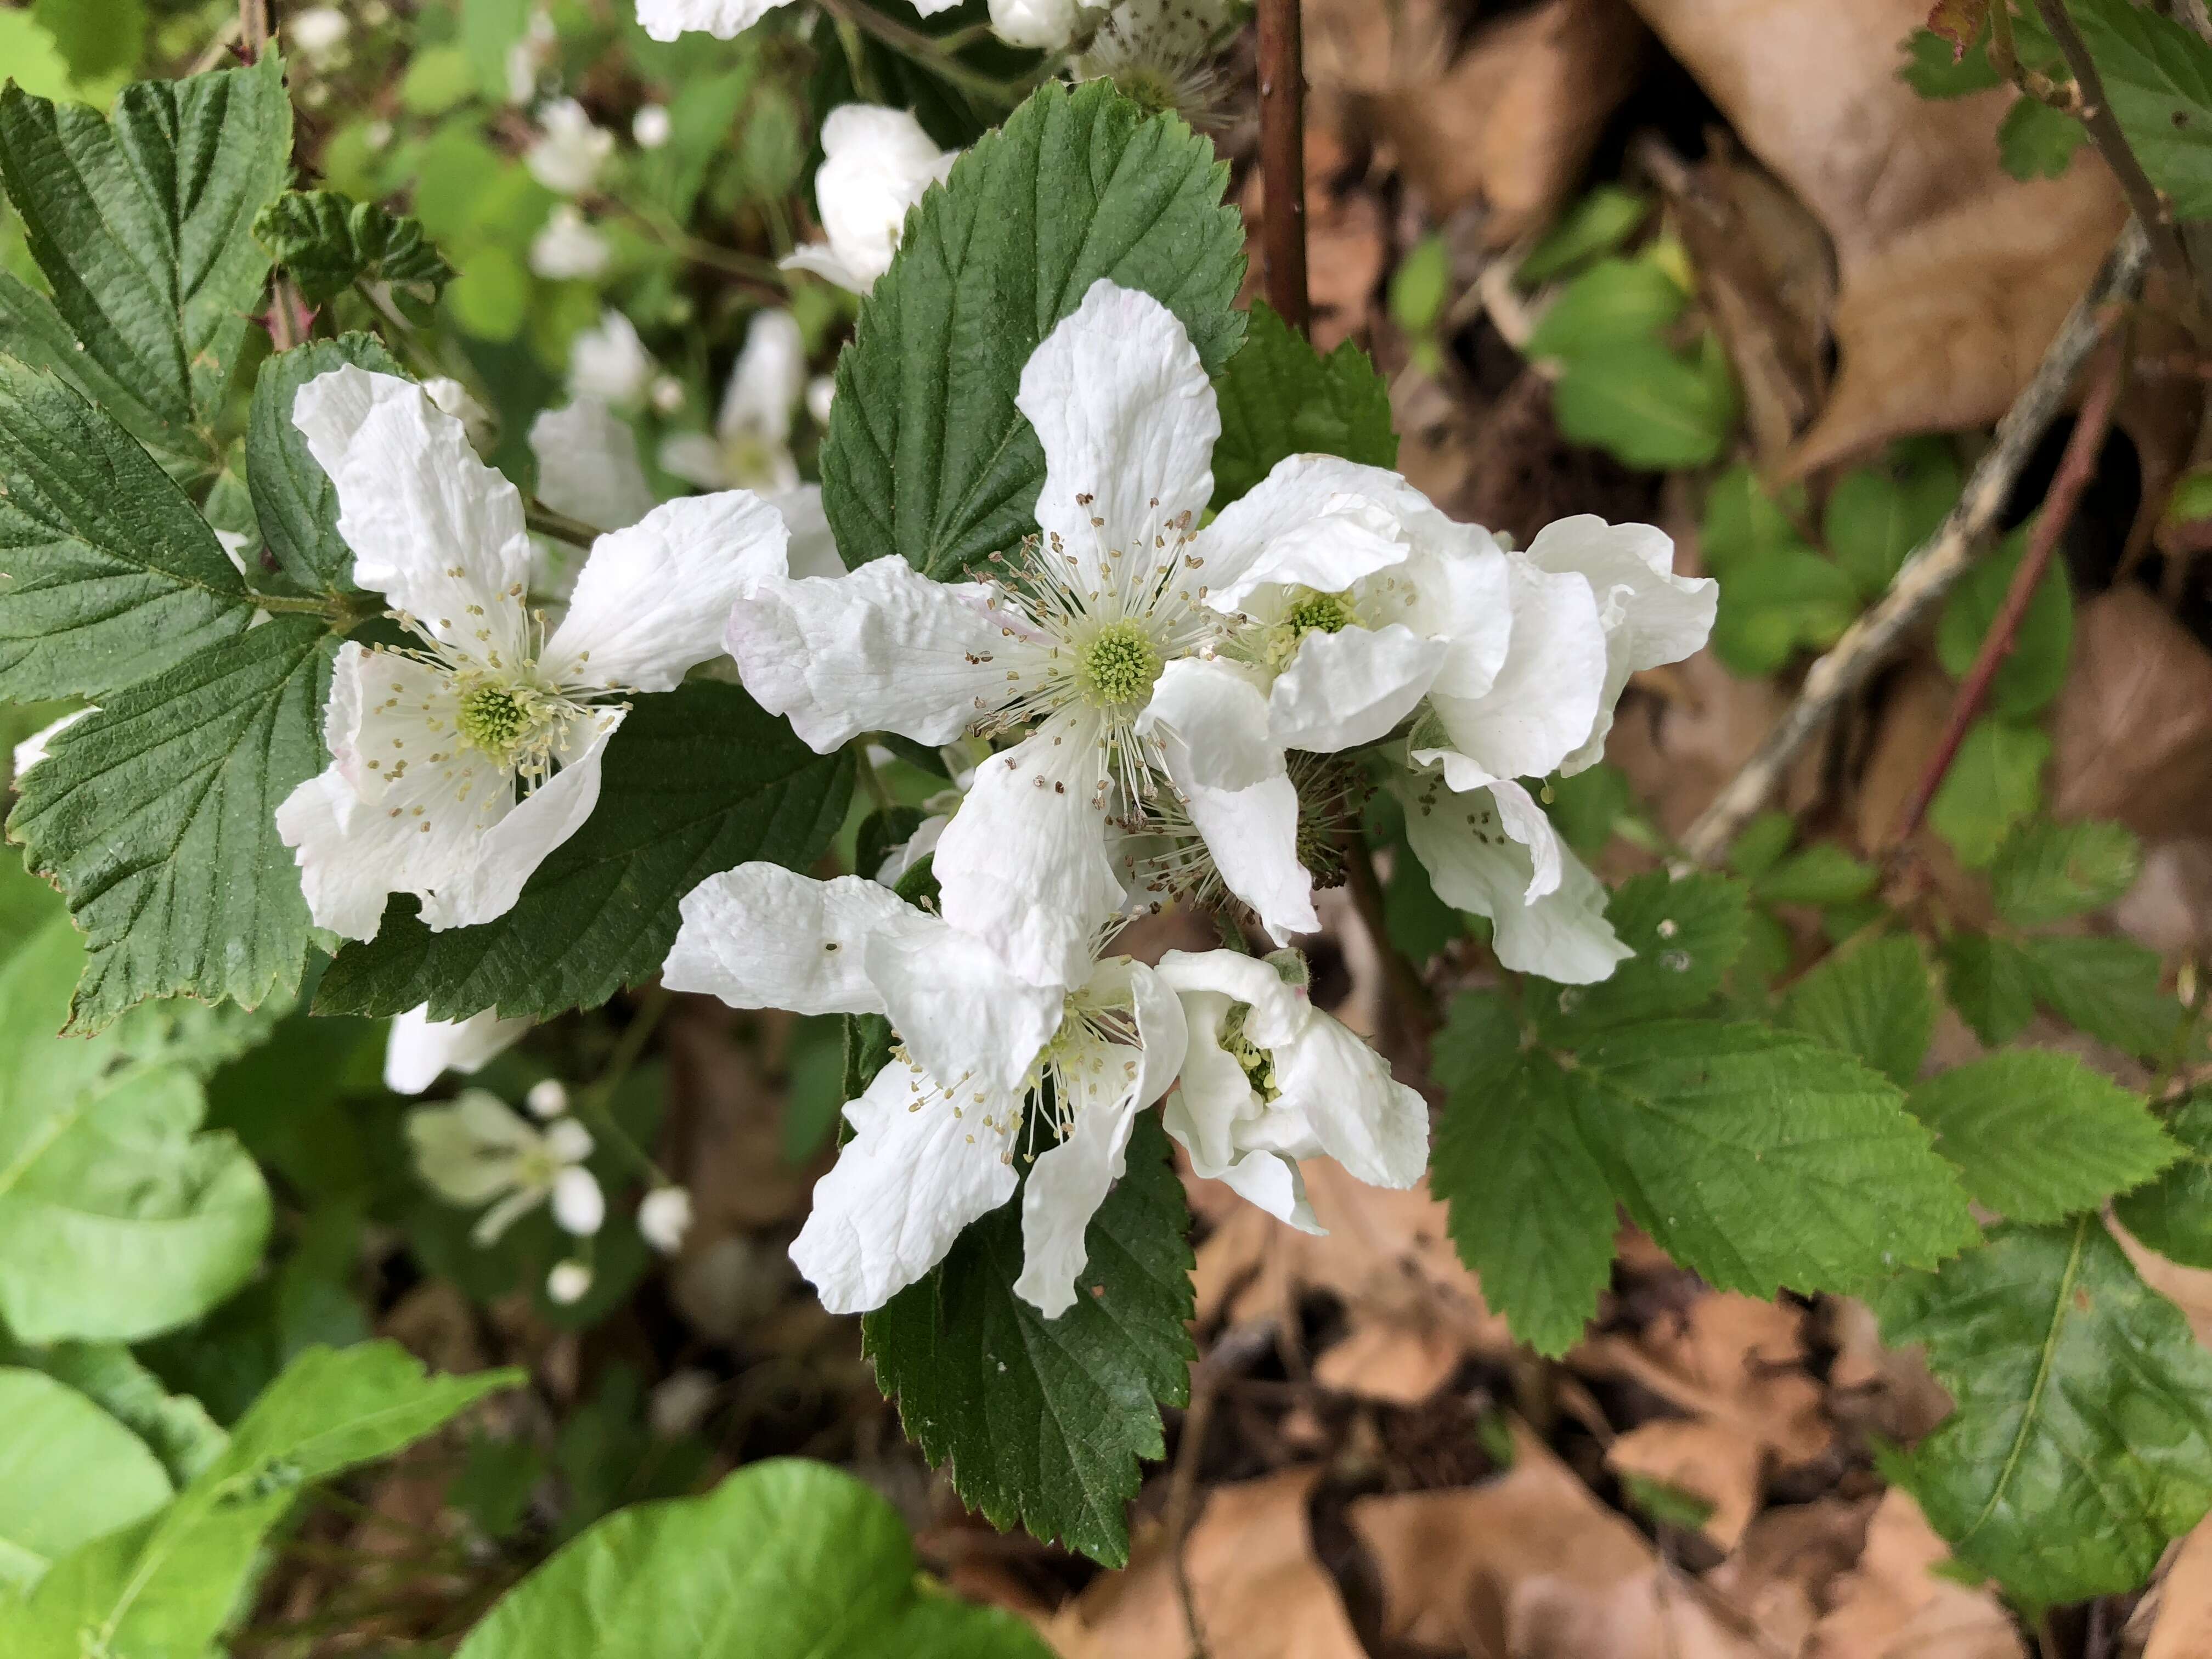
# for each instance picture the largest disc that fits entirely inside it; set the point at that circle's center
(815, 1564)
(2047, 873)
(1044, 1421)
(2082, 1440)
(2109, 988)
(2158, 75)
(1995, 783)
(2173, 1213)
(295, 503)
(1992, 982)
(1686, 933)
(928, 457)
(328, 241)
(1872, 1001)
(2035, 668)
(109, 574)
(698, 781)
(2036, 1136)
(1876, 515)
(157, 818)
(1281, 398)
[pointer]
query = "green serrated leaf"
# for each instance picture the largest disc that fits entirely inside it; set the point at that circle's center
(295, 503)
(1280, 397)
(111, 576)
(2109, 987)
(1761, 1160)
(2036, 1136)
(69, 1473)
(328, 242)
(2035, 140)
(818, 1564)
(1992, 982)
(138, 227)
(2173, 1213)
(2082, 1440)
(2035, 668)
(1995, 784)
(1822, 874)
(99, 39)
(1044, 1421)
(1876, 515)
(698, 781)
(1597, 224)
(928, 457)
(1686, 932)
(1781, 602)
(1934, 68)
(175, 1428)
(1743, 523)
(1872, 1001)
(168, 1584)
(2158, 77)
(1648, 405)
(1614, 301)
(2047, 872)
(118, 1218)
(157, 817)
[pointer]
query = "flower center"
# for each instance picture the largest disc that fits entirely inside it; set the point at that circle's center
(1258, 1065)
(1323, 613)
(496, 719)
(1117, 667)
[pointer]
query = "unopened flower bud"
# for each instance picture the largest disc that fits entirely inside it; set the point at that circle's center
(569, 1282)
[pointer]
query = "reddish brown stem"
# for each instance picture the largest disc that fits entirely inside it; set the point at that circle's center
(257, 26)
(1283, 162)
(2076, 469)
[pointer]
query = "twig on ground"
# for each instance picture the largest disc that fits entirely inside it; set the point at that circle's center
(1283, 162)
(1935, 566)
(2078, 466)
(1232, 1350)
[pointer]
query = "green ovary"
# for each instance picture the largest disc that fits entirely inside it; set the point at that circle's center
(1117, 667)
(1258, 1065)
(1323, 613)
(493, 719)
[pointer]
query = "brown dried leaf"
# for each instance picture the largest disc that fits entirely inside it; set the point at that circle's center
(1893, 1602)
(1779, 1579)
(2181, 1605)
(2131, 732)
(1954, 275)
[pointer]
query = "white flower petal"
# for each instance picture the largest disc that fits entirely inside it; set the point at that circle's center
(1351, 687)
(959, 1010)
(432, 528)
(665, 20)
(1253, 835)
(1315, 521)
(1274, 1183)
(579, 1206)
(854, 277)
(1543, 703)
(877, 163)
(1022, 865)
(33, 748)
(1046, 25)
(766, 382)
(761, 936)
(663, 1217)
(883, 649)
(1127, 419)
(813, 551)
(1217, 725)
(654, 600)
(609, 362)
(419, 1049)
(472, 1150)
(588, 465)
(491, 1226)
(1461, 582)
(1366, 1120)
(1066, 1185)
(903, 1188)
(697, 458)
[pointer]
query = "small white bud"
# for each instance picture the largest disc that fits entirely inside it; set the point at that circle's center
(663, 1217)
(570, 1141)
(569, 1282)
(667, 394)
(651, 126)
(578, 1204)
(820, 391)
(548, 1098)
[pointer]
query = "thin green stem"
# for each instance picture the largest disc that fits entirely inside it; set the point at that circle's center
(596, 1105)
(542, 520)
(923, 49)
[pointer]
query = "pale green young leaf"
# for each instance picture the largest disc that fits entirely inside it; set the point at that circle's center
(101, 40)
(816, 1564)
(1044, 1422)
(295, 503)
(2036, 1136)
(108, 575)
(1761, 1160)
(1774, 605)
(2082, 1442)
(1995, 784)
(140, 227)
(1685, 930)
(1992, 982)
(1649, 405)
(2173, 1213)
(698, 781)
(2157, 73)
(2035, 140)
(175, 1428)
(1872, 1001)
(69, 1473)
(1599, 223)
(2035, 668)
(1877, 514)
(1821, 875)
(2109, 987)
(928, 457)
(2047, 873)
(1614, 301)
(33, 56)
(1743, 523)
(157, 818)
(1281, 398)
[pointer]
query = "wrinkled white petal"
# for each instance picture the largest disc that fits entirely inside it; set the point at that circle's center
(1046, 25)
(1253, 835)
(664, 20)
(432, 528)
(1351, 687)
(959, 1010)
(609, 362)
(1022, 865)
(33, 748)
(883, 649)
(1461, 582)
(854, 275)
(1127, 420)
(877, 164)
(1225, 1126)
(579, 1206)
(1315, 521)
(1375, 1126)
(1493, 861)
(813, 551)
(654, 600)
(1217, 724)
(419, 1049)
(761, 936)
(1066, 1185)
(1544, 701)
(903, 1188)
(588, 465)
(1275, 1184)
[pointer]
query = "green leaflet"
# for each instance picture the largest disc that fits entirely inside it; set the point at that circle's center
(118, 1218)
(1995, 785)
(69, 1472)
(2036, 1136)
(166, 1586)
(111, 575)
(1992, 982)
(140, 227)
(1873, 1002)
(2047, 873)
(2034, 669)
(1648, 404)
(1877, 514)
(328, 242)
(698, 781)
(2173, 1213)
(1044, 1421)
(295, 503)
(928, 457)
(2158, 76)
(157, 818)
(2082, 1440)
(2108, 988)
(1280, 397)
(176, 1428)
(816, 1564)
(1685, 933)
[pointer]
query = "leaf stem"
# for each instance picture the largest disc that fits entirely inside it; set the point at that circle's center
(596, 1103)
(542, 520)
(1283, 162)
(923, 49)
